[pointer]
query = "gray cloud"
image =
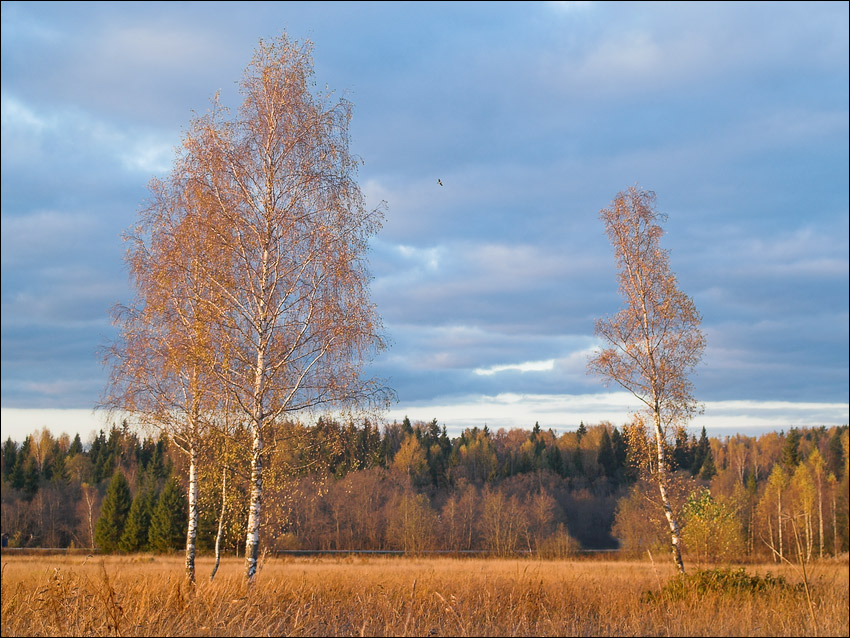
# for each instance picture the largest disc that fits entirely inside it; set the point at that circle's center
(532, 116)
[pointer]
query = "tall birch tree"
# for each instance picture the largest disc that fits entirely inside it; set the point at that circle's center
(654, 342)
(287, 220)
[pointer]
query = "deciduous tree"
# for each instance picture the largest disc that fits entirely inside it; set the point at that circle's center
(289, 230)
(162, 364)
(654, 342)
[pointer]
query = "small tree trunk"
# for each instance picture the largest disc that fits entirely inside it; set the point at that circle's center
(810, 537)
(252, 539)
(90, 505)
(835, 548)
(192, 528)
(779, 522)
(820, 518)
(774, 553)
(675, 539)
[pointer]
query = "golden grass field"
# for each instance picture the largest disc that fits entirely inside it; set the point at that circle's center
(381, 596)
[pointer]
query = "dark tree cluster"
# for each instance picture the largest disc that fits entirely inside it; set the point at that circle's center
(409, 486)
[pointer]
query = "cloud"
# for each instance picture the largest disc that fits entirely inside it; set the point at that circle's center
(570, 6)
(18, 423)
(533, 117)
(564, 412)
(527, 366)
(31, 134)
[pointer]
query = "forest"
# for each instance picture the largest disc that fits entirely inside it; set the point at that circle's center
(352, 485)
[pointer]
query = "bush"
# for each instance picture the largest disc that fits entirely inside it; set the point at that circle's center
(721, 581)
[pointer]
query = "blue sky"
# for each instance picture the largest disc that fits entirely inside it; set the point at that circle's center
(533, 116)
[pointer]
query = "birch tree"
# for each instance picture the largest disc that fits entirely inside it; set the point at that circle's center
(654, 342)
(287, 220)
(162, 364)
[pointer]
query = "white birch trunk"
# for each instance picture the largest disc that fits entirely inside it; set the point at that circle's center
(675, 539)
(820, 518)
(810, 536)
(252, 540)
(835, 546)
(770, 533)
(779, 522)
(192, 527)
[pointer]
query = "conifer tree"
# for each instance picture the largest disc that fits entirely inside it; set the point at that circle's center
(10, 455)
(16, 476)
(581, 431)
(113, 513)
(618, 444)
(605, 455)
(708, 469)
(135, 535)
(169, 521)
(791, 450)
(683, 452)
(76, 446)
(30, 479)
(701, 451)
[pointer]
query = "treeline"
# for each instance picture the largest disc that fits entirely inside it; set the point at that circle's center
(409, 486)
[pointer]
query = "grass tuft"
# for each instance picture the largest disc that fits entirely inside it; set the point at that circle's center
(731, 582)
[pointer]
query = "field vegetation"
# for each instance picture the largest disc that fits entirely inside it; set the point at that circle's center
(147, 595)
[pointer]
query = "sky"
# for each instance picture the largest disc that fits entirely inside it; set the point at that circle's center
(533, 116)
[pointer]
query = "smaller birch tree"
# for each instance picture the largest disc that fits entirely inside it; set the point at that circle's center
(163, 361)
(654, 342)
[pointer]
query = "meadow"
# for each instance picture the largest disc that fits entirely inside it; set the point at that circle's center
(146, 595)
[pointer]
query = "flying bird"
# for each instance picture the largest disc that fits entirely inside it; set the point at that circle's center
(439, 181)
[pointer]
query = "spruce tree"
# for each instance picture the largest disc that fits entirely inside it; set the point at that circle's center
(605, 454)
(791, 450)
(834, 454)
(618, 444)
(708, 469)
(113, 514)
(10, 456)
(683, 452)
(168, 523)
(702, 450)
(581, 431)
(31, 479)
(135, 536)
(76, 446)
(17, 477)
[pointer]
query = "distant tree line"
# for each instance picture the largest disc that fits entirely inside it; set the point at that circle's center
(409, 486)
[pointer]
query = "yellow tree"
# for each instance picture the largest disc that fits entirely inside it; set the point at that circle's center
(818, 472)
(770, 502)
(162, 361)
(654, 342)
(802, 502)
(288, 219)
(410, 460)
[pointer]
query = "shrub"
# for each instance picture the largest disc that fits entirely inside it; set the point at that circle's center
(720, 581)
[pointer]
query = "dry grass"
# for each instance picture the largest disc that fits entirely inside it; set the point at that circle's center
(146, 596)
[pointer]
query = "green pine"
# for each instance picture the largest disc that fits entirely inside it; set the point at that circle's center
(168, 524)
(113, 514)
(135, 536)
